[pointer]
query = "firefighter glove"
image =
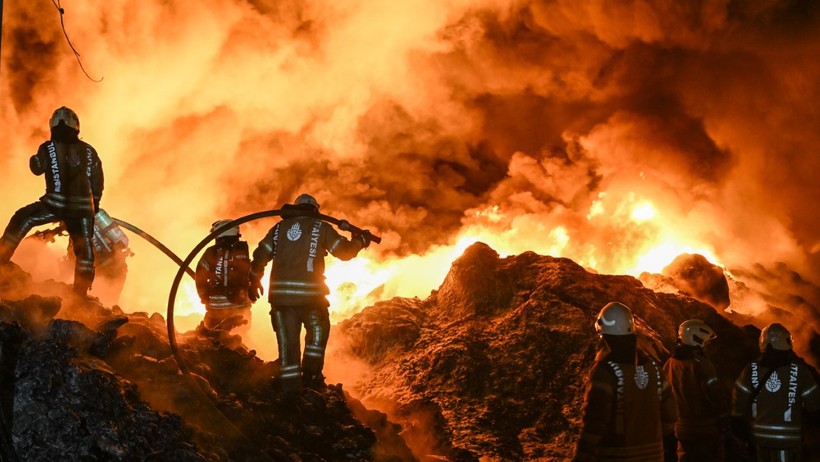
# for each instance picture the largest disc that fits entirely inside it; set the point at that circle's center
(344, 225)
(255, 289)
(364, 236)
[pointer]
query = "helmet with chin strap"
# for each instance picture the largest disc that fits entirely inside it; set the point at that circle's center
(695, 332)
(228, 232)
(67, 117)
(615, 319)
(306, 199)
(776, 336)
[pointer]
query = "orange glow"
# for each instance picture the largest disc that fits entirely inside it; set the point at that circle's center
(435, 124)
(188, 300)
(643, 211)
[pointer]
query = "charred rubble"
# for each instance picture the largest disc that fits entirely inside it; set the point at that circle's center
(492, 365)
(84, 382)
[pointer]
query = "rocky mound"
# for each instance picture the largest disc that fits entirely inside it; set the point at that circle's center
(492, 365)
(113, 391)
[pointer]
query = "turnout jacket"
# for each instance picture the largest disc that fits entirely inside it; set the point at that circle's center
(774, 401)
(74, 177)
(700, 398)
(627, 410)
(298, 246)
(222, 275)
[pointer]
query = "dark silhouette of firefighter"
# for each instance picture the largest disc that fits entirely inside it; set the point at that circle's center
(770, 398)
(629, 411)
(702, 404)
(222, 281)
(297, 293)
(74, 186)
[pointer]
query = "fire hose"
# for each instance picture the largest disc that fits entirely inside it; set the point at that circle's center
(285, 212)
(155, 242)
(50, 233)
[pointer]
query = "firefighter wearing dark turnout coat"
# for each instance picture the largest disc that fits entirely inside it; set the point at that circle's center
(770, 397)
(74, 186)
(297, 293)
(702, 404)
(628, 406)
(222, 281)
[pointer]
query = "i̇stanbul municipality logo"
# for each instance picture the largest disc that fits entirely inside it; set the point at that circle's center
(295, 232)
(773, 384)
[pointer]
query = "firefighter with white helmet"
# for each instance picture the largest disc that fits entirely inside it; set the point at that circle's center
(74, 185)
(297, 245)
(771, 396)
(628, 407)
(702, 404)
(222, 281)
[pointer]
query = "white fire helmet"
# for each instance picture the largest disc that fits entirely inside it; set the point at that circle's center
(695, 332)
(306, 199)
(777, 336)
(229, 232)
(67, 116)
(615, 319)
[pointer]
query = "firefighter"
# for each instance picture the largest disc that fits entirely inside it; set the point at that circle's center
(74, 187)
(770, 397)
(297, 293)
(222, 281)
(629, 411)
(702, 405)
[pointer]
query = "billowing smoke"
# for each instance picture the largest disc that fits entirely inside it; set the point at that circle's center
(616, 134)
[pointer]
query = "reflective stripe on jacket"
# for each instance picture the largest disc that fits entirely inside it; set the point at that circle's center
(298, 247)
(222, 275)
(74, 177)
(776, 413)
(627, 409)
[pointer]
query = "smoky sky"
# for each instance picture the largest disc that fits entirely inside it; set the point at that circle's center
(423, 119)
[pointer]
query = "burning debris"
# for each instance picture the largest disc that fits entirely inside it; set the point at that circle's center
(694, 276)
(494, 363)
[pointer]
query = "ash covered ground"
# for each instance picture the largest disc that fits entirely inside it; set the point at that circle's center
(490, 366)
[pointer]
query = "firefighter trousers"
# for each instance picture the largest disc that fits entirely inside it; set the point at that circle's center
(80, 231)
(287, 323)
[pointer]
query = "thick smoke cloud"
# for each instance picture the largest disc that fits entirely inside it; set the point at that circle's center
(532, 125)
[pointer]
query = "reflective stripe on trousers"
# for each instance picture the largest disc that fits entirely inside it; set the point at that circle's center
(287, 322)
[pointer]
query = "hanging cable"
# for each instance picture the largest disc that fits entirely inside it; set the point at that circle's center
(76, 54)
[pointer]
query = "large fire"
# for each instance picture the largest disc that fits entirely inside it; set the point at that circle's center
(619, 136)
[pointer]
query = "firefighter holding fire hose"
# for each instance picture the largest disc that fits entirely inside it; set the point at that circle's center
(74, 186)
(297, 246)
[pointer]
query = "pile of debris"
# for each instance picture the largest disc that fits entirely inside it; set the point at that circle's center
(494, 363)
(84, 382)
